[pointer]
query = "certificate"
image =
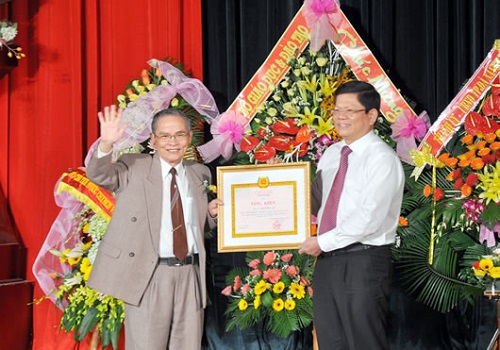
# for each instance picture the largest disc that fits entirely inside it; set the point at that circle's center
(266, 206)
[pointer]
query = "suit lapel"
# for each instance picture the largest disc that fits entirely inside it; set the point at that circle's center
(153, 188)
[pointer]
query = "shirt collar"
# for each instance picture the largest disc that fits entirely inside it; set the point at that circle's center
(165, 169)
(360, 144)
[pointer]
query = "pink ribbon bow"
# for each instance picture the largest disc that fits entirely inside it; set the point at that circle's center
(322, 18)
(405, 130)
(488, 236)
(227, 130)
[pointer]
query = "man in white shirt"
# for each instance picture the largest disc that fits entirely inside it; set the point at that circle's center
(358, 218)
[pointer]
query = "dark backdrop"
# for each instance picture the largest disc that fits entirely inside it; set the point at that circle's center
(429, 49)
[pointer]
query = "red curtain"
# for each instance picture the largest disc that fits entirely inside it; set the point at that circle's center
(80, 55)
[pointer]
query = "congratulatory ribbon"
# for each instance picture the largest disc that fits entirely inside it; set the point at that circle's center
(76, 183)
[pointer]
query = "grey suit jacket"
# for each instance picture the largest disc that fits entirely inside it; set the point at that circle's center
(128, 253)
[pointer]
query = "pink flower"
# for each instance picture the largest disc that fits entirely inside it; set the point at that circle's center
(226, 291)
(245, 288)
(304, 282)
(287, 257)
(292, 271)
(237, 283)
(269, 258)
(254, 263)
(272, 275)
(255, 272)
(310, 291)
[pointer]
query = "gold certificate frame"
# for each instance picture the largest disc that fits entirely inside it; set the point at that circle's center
(266, 206)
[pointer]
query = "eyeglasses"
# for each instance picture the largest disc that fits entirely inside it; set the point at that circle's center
(346, 112)
(180, 137)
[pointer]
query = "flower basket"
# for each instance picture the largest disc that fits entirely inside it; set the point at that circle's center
(275, 290)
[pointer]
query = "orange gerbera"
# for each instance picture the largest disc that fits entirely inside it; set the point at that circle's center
(403, 222)
(467, 139)
(495, 146)
(477, 164)
(466, 190)
(490, 137)
(451, 162)
(483, 151)
(427, 190)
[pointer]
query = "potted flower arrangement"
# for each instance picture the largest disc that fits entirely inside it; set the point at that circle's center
(274, 289)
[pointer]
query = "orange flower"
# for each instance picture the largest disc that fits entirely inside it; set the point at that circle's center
(438, 194)
(158, 72)
(483, 151)
(466, 190)
(314, 229)
(451, 162)
(477, 164)
(490, 137)
(464, 163)
(403, 222)
(481, 144)
(443, 157)
(145, 77)
(467, 139)
(427, 190)
(129, 92)
(495, 146)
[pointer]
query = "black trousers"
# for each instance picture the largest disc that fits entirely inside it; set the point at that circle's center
(351, 299)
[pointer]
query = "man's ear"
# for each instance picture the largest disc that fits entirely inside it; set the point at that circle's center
(373, 115)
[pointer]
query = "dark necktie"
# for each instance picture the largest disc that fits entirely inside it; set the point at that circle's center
(329, 218)
(178, 225)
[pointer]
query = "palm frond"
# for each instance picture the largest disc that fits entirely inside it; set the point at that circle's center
(436, 285)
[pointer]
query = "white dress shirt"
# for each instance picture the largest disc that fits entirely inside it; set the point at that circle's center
(370, 203)
(166, 232)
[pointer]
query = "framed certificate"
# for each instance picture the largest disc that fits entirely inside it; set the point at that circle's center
(266, 206)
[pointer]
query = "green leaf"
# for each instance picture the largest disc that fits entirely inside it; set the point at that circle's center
(89, 320)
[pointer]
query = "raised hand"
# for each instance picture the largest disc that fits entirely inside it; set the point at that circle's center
(111, 131)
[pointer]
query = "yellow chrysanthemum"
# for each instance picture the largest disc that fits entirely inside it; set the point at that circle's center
(278, 304)
(87, 245)
(261, 287)
(486, 264)
(290, 304)
(278, 287)
(479, 272)
(74, 261)
(256, 302)
(495, 272)
(85, 227)
(297, 291)
(86, 268)
(242, 304)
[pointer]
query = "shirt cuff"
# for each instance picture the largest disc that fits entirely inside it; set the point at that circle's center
(100, 153)
(326, 241)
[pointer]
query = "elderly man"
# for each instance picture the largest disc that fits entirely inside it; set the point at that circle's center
(153, 256)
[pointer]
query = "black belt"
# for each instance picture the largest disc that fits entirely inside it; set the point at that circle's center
(173, 261)
(355, 247)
